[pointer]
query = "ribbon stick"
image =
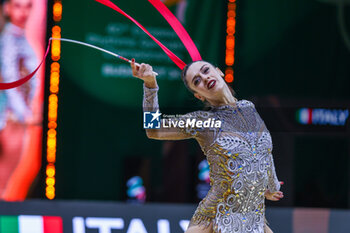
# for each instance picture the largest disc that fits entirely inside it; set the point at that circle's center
(98, 48)
(5, 86)
(92, 46)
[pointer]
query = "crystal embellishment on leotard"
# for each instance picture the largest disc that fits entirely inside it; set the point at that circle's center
(241, 168)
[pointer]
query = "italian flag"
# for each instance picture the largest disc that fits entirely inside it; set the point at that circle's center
(30, 224)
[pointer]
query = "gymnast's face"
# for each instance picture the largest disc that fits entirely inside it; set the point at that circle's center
(206, 81)
(18, 11)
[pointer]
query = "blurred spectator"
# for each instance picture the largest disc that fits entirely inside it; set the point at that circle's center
(17, 58)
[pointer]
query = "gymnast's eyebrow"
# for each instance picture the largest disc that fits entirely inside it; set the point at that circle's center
(203, 66)
(200, 70)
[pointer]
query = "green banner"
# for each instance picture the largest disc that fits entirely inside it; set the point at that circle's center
(108, 78)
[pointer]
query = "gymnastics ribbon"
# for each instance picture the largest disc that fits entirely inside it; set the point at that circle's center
(175, 24)
(162, 9)
(4, 86)
(178, 28)
(170, 54)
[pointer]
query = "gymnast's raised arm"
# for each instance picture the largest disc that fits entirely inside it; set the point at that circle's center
(150, 104)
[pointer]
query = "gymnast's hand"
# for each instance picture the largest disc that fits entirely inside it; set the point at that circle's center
(275, 196)
(145, 73)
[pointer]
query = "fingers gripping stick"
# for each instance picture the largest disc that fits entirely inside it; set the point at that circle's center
(139, 67)
(142, 71)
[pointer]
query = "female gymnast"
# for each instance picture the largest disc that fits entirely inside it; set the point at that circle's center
(239, 150)
(242, 171)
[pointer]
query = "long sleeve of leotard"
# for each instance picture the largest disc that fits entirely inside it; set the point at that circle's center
(273, 184)
(164, 132)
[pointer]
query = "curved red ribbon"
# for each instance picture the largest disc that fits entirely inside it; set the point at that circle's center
(5, 86)
(164, 11)
(170, 54)
(178, 28)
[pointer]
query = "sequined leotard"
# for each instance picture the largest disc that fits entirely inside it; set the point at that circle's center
(241, 165)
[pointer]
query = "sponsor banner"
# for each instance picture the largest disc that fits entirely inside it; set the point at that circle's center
(93, 217)
(109, 217)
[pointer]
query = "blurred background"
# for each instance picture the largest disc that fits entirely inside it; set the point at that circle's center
(85, 139)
